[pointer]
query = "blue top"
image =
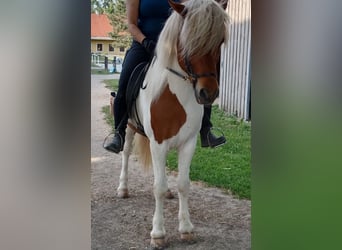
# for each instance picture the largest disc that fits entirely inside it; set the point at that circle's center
(152, 17)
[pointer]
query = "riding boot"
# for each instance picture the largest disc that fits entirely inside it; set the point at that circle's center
(208, 139)
(118, 141)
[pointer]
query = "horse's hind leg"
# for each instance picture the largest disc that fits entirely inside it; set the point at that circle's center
(123, 188)
(183, 183)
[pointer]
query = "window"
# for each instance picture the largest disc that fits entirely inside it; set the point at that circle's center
(122, 49)
(99, 47)
(111, 48)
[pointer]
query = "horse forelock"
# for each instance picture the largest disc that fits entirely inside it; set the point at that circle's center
(205, 28)
(200, 32)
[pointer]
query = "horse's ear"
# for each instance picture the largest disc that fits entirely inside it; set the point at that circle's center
(178, 7)
(223, 3)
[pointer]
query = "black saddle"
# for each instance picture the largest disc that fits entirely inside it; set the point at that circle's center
(135, 83)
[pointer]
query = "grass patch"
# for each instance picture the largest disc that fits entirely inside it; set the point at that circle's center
(226, 167)
(100, 71)
(112, 84)
(108, 117)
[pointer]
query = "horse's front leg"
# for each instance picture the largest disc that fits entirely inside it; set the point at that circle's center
(123, 187)
(185, 154)
(159, 188)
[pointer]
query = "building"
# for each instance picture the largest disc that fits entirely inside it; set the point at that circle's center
(235, 75)
(101, 41)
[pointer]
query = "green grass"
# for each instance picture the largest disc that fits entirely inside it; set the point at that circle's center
(112, 84)
(100, 72)
(228, 166)
(108, 117)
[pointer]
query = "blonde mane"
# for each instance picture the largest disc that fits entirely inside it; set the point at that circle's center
(201, 31)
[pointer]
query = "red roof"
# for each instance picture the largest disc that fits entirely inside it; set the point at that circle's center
(100, 26)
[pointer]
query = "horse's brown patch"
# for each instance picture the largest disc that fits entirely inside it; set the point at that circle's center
(167, 115)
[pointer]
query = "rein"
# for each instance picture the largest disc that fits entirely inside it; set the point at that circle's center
(191, 76)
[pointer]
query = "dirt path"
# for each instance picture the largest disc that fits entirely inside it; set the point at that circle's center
(221, 222)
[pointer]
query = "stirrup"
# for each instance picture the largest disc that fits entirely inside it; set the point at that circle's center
(117, 146)
(105, 139)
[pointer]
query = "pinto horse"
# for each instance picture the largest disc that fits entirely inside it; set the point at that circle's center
(179, 81)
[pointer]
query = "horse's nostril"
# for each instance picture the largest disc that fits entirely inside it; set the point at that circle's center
(204, 94)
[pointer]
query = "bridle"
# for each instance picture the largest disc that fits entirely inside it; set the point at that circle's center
(191, 76)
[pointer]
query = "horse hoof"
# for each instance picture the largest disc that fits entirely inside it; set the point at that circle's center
(158, 244)
(123, 193)
(188, 237)
(169, 194)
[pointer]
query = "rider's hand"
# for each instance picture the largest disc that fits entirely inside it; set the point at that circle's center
(149, 45)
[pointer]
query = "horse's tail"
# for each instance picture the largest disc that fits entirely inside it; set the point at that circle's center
(143, 151)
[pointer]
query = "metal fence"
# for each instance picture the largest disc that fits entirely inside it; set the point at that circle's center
(235, 62)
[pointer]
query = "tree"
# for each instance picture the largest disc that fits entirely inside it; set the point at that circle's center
(96, 7)
(108, 6)
(116, 12)
(102, 6)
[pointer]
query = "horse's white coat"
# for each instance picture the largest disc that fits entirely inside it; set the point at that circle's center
(185, 140)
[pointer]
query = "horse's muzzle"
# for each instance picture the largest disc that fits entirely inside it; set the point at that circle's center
(206, 96)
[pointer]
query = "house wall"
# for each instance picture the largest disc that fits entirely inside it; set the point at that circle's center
(105, 49)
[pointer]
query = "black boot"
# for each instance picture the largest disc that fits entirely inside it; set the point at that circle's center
(208, 139)
(118, 142)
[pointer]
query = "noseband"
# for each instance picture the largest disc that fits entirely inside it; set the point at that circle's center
(191, 76)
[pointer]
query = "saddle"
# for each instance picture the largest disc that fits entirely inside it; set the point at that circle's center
(135, 83)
